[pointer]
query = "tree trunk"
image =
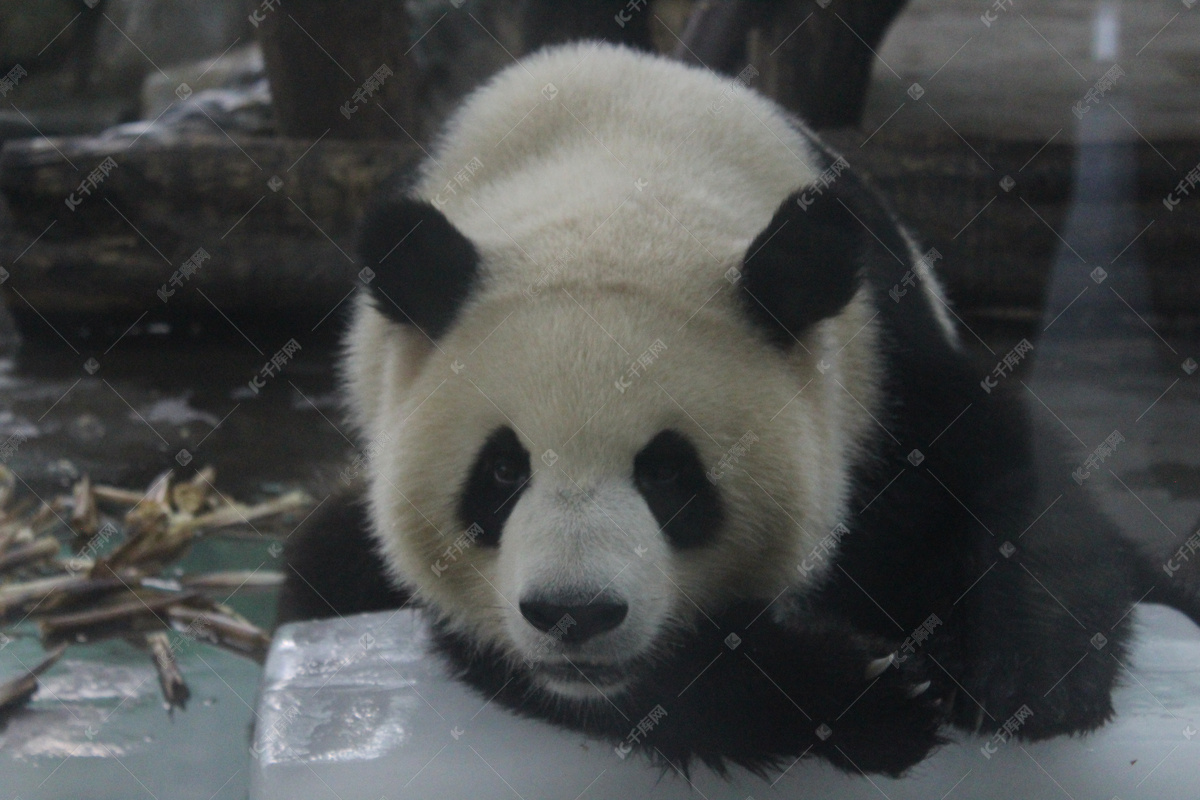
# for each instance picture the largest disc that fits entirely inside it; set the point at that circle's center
(819, 56)
(544, 22)
(324, 59)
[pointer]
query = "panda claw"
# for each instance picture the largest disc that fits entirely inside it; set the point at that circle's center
(878, 666)
(946, 704)
(918, 689)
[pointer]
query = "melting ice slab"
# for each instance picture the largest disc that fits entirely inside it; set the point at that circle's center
(360, 708)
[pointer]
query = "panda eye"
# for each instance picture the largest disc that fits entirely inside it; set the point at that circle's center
(506, 471)
(498, 476)
(670, 477)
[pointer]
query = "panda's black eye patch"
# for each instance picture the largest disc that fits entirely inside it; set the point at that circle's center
(498, 475)
(668, 474)
(659, 474)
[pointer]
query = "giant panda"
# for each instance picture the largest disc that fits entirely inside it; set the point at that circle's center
(667, 418)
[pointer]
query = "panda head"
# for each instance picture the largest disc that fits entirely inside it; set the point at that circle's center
(576, 473)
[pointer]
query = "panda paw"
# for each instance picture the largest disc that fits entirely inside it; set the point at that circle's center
(1048, 695)
(893, 721)
(805, 686)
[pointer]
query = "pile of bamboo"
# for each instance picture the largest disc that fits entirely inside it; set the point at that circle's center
(116, 583)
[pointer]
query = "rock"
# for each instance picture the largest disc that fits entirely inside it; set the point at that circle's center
(273, 217)
(239, 68)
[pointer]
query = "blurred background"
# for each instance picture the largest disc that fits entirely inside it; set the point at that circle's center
(179, 185)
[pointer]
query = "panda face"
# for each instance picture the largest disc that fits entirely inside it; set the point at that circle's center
(543, 499)
(585, 599)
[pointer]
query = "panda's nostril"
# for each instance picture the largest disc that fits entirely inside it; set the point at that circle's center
(573, 624)
(543, 616)
(594, 619)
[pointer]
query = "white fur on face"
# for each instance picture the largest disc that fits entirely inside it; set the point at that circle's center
(601, 235)
(595, 540)
(548, 368)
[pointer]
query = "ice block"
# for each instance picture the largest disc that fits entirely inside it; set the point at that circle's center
(360, 707)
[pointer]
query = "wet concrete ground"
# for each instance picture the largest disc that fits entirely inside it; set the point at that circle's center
(155, 395)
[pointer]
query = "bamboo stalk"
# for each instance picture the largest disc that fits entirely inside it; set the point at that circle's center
(25, 554)
(49, 515)
(85, 518)
(117, 496)
(16, 692)
(15, 597)
(13, 532)
(57, 625)
(191, 495)
(234, 579)
(241, 514)
(159, 492)
(52, 594)
(170, 679)
(221, 629)
(124, 592)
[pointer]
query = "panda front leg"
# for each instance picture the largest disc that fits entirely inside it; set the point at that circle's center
(772, 692)
(333, 565)
(1044, 634)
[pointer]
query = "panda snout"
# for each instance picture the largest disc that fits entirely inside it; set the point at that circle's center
(574, 623)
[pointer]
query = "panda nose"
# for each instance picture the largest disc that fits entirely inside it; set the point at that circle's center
(573, 624)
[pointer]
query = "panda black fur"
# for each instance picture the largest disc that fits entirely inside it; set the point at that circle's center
(733, 526)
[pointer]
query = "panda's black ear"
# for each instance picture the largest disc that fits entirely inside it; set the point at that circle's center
(804, 266)
(424, 267)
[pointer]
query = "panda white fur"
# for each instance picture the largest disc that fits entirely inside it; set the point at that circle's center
(647, 429)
